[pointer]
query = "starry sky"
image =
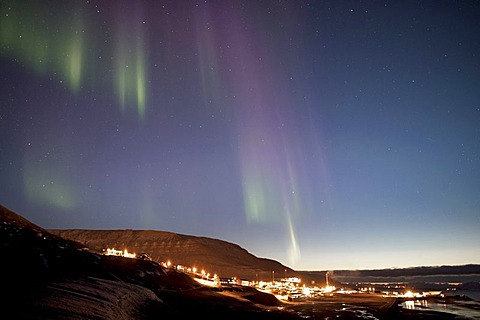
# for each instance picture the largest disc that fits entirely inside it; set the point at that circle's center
(322, 134)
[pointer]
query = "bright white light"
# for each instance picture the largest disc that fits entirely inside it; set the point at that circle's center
(306, 291)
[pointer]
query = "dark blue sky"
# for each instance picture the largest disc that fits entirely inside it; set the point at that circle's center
(323, 134)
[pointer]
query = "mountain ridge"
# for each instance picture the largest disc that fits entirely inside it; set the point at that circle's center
(216, 256)
(228, 259)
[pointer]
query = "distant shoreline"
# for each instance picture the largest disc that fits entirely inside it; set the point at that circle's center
(362, 306)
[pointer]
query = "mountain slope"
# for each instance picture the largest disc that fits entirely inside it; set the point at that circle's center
(215, 256)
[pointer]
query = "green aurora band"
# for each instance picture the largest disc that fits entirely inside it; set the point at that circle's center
(62, 47)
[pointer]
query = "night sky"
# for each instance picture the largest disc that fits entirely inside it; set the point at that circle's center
(322, 134)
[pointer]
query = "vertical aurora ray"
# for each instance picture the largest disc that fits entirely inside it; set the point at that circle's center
(44, 42)
(140, 81)
(120, 79)
(208, 53)
(130, 59)
(271, 153)
(271, 183)
(294, 250)
(74, 57)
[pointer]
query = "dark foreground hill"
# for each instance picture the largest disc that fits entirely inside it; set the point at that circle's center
(216, 256)
(45, 276)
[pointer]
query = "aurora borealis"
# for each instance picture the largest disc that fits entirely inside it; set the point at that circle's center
(322, 134)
